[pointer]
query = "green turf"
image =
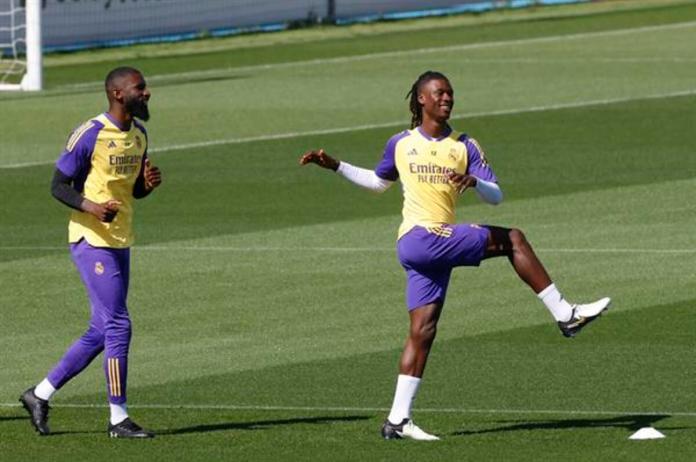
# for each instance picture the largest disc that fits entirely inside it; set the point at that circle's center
(255, 102)
(435, 37)
(266, 298)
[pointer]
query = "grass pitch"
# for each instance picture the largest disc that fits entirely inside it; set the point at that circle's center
(267, 301)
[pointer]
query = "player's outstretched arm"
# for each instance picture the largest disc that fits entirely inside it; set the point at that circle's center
(356, 175)
(321, 158)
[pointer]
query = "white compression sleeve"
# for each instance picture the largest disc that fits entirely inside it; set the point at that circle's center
(489, 192)
(363, 177)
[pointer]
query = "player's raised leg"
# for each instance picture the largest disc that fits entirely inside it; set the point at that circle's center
(512, 243)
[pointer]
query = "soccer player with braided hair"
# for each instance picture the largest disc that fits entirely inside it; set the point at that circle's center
(436, 164)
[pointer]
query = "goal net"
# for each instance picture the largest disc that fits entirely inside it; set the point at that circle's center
(20, 45)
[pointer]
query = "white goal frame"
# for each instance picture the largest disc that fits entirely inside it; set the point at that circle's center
(32, 80)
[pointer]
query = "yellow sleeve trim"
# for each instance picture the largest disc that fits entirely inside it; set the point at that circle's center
(77, 134)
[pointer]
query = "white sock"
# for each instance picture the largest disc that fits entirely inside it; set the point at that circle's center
(406, 389)
(557, 305)
(44, 390)
(118, 413)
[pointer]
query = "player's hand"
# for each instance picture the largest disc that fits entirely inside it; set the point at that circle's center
(152, 175)
(321, 158)
(105, 212)
(461, 182)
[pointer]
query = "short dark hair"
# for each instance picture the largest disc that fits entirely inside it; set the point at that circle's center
(117, 73)
(414, 105)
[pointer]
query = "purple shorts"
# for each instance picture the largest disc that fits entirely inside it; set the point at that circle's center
(429, 254)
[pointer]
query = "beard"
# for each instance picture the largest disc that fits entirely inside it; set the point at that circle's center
(138, 108)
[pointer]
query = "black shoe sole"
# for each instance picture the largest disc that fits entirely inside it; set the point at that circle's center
(133, 436)
(576, 331)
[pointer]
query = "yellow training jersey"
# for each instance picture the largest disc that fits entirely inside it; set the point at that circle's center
(104, 161)
(422, 163)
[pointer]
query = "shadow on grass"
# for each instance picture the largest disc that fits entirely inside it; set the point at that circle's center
(77, 432)
(629, 422)
(30, 428)
(13, 417)
(205, 428)
(259, 424)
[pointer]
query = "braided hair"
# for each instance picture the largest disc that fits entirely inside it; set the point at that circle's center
(412, 95)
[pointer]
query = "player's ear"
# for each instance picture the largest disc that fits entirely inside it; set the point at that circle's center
(117, 95)
(421, 98)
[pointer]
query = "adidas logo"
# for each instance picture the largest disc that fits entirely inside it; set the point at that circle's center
(112, 144)
(412, 152)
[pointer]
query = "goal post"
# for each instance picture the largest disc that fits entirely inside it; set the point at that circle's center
(20, 45)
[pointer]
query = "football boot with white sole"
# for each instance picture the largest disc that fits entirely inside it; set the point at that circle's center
(582, 315)
(405, 429)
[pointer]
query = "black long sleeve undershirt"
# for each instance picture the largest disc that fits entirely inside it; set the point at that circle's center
(62, 189)
(139, 189)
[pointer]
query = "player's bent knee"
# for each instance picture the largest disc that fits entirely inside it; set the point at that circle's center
(424, 323)
(118, 328)
(498, 241)
(517, 238)
(92, 337)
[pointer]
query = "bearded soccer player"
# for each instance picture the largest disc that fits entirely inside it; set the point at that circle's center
(435, 165)
(103, 167)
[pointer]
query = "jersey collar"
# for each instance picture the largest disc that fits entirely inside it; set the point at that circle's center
(117, 123)
(430, 138)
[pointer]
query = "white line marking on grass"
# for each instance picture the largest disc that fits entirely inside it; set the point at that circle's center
(619, 60)
(400, 123)
(398, 53)
(387, 54)
(655, 251)
(241, 407)
(391, 249)
(173, 248)
(27, 164)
